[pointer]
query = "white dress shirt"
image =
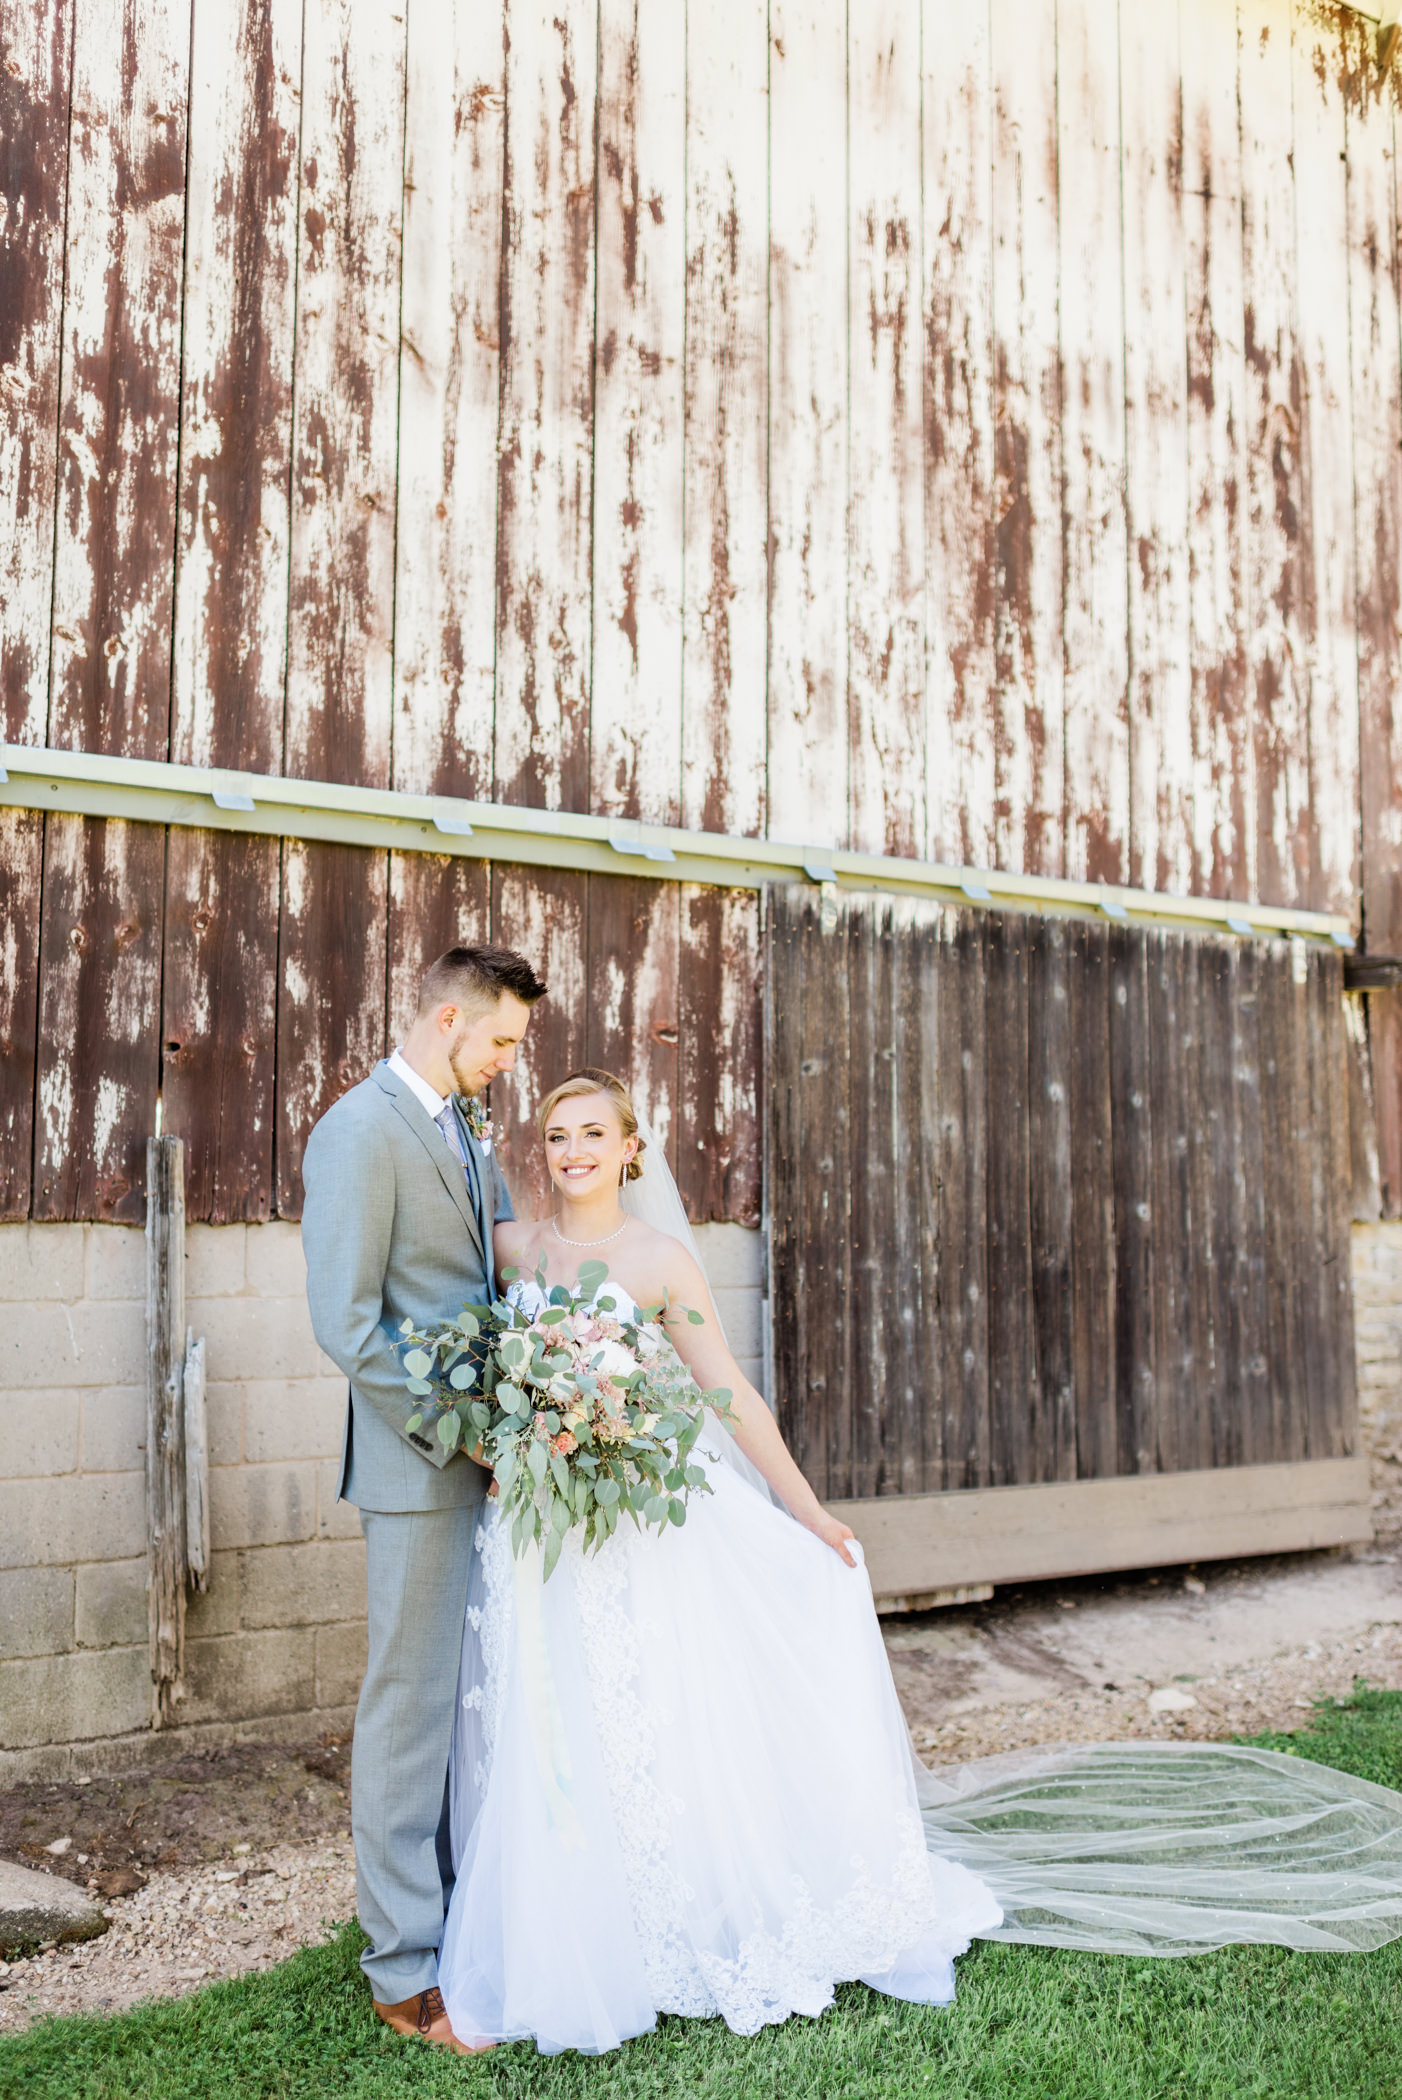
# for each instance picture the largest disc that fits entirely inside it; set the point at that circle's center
(418, 1086)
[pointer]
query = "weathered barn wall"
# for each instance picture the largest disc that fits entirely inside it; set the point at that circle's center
(545, 404)
(278, 1641)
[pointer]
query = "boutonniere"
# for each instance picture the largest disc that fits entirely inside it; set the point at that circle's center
(474, 1108)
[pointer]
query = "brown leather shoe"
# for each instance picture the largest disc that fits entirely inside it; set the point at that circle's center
(426, 2016)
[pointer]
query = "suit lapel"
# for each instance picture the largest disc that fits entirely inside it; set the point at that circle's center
(431, 1138)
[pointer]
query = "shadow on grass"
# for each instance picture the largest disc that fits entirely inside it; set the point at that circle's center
(1029, 2024)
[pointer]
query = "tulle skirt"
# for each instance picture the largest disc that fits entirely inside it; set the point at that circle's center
(682, 1783)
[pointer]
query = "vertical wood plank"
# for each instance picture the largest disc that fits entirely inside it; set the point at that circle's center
(449, 386)
(230, 651)
(1276, 575)
(331, 991)
(880, 1400)
(886, 539)
(1050, 1049)
(808, 423)
(926, 993)
(218, 1018)
(437, 901)
(1285, 1194)
(1337, 1417)
(120, 407)
(1171, 1046)
(37, 48)
(1016, 1411)
(1224, 820)
(1247, 1389)
(99, 987)
(719, 1054)
(724, 600)
(345, 413)
(1028, 725)
(544, 490)
(1161, 758)
(913, 1393)
(21, 882)
(783, 1152)
(544, 915)
(631, 1023)
(639, 329)
(1203, 1088)
(1320, 70)
(963, 1201)
(1131, 1132)
(1092, 290)
(1094, 1288)
(960, 549)
(1385, 1044)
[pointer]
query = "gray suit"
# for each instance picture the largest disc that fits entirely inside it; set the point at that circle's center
(394, 1228)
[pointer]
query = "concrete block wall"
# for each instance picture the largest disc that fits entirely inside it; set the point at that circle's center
(277, 1645)
(1377, 1312)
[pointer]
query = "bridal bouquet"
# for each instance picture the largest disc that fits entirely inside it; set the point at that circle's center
(583, 1413)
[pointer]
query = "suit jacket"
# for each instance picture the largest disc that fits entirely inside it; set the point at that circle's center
(390, 1233)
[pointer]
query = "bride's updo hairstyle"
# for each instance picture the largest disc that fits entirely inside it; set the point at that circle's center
(589, 1080)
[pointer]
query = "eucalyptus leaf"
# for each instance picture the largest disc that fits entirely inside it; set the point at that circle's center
(591, 1275)
(536, 1460)
(461, 1377)
(418, 1363)
(677, 1512)
(420, 1387)
(412, 1424)
(449, 1429)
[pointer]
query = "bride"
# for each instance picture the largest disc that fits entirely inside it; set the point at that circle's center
(681, 1781)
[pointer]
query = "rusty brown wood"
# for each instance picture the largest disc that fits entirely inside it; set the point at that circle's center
(1220, 725)
(639, 331)
(545, 917)
(723, 577)
(1026, 719)
(1161, 758)
(331, 992)
(544, 493)
(957, 378)
(1093, 1240)
(1322, 42)
(340, 670)
(808, 423)
(1276, 570)
(1095, 613)
(885, 516)
(37, 47)
(99, 991)
(166, 1543)
(119, 412)
(436, 902)
(719, 1054)
(21, 885)
(449, 388)
(230, 653)
(219, 1019)
(631, 998)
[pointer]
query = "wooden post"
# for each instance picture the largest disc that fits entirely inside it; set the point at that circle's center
(196, 1467)
(165, 1420)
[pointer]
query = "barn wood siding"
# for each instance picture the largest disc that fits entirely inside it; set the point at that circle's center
(950, 430)
(1094, 1318)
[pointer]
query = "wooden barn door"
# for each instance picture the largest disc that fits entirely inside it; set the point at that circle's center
(1059, 1237)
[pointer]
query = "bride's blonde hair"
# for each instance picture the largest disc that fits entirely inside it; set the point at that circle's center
(590, 1080)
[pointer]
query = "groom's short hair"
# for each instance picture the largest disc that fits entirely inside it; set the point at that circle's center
(475, 978)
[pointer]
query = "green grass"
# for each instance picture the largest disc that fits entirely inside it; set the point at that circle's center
(1028, 2025)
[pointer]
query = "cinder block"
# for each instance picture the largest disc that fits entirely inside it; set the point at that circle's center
(49, 1345)
(340, 1663)
(732, 1256)
(276, 1265)
(250, 1337)
(262, 1505)
(741, 1313)
(334, 1519)
(217, 1609)
(40, 1261)
(310, 1585)
(116, 1263)
(245, 1675)
(112, 1607)
(38, 1433)
(214, 1263)
(114, 1429)
(224, 1412)
(292, 1418)
(72, 1698)
(36, 1612)
(79, 1517)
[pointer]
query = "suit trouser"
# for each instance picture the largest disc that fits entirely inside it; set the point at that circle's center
(417, 1565)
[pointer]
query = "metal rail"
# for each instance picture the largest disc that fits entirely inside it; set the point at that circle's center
(149, 791)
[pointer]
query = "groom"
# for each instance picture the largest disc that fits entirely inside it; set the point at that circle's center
(401, 1197)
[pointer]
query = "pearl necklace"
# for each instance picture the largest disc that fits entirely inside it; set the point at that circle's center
(554, 1226)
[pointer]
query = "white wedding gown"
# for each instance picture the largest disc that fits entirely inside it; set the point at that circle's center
(682, 1783)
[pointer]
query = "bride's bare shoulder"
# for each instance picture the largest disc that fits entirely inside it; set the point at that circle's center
(514, 1238)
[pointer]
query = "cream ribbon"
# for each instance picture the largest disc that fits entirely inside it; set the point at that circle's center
(552, 1750)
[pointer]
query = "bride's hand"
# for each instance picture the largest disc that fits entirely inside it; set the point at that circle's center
(833, 1534)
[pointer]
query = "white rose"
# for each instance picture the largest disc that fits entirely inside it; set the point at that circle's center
(612, 1360)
